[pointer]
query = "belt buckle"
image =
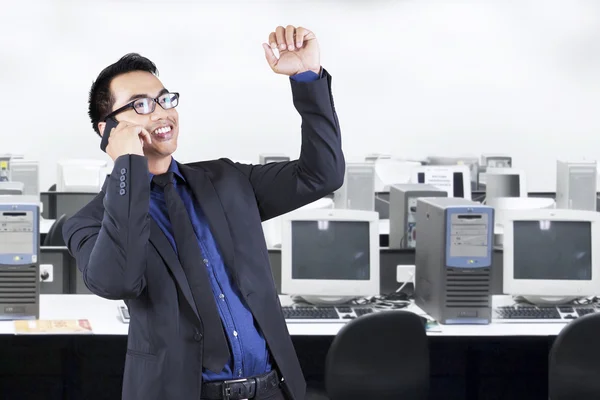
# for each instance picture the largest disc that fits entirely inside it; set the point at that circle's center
(227, 389)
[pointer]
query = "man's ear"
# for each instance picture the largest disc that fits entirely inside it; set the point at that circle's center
(101, 126)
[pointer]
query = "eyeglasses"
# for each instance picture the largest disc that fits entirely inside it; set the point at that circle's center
(147, 105)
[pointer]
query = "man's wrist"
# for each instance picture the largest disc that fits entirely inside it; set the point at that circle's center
(307, 76)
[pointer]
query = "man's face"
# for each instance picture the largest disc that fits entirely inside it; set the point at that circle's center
(132, 85)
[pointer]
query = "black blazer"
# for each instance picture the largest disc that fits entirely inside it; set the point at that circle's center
(123, 254)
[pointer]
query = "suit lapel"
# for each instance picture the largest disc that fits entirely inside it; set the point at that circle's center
(206, 195)
(164, 248)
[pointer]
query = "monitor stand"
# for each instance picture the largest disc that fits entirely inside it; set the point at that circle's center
(323, 300)
(546, 300)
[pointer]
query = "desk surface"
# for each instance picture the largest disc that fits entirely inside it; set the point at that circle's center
(45, 225)
(103, 317)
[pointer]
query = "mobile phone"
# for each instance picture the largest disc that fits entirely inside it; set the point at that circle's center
(124, 314)
(110, 124)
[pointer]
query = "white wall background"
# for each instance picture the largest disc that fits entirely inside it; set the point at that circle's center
(413, 78)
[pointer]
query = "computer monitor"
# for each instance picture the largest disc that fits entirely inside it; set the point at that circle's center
(472, 162)
(504, 182)
(454, 179)
(11, 188)
(489, 161)
(390, 171)
(552, 255)
(26, 172)
(269, 158)
(372, 157)
(81, 175)
(272, 227)
(69, 203)
(330, 256)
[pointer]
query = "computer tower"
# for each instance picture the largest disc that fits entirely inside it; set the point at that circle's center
(269, 158)
(403, 212)
(26, 172)
(453, 260)
(19, 259)
(358, 190)
(576, 185)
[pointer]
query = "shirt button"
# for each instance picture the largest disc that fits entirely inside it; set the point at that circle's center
(221, 296)
(235, 333)
(122, 185)
(122, 192)
(197, 336)
(205, 261)
(240, 372)
(122, 178)
(123, 171)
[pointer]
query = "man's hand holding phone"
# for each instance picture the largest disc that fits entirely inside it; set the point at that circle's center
(127, 138)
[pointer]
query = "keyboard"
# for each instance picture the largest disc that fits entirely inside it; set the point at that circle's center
(301, 313)
(530, 313)
(310, 314)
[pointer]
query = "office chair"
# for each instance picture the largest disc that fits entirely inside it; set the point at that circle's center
(54, 237)
(574, 365)
(383, 356)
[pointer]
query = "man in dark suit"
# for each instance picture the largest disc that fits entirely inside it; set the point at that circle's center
(183, 245)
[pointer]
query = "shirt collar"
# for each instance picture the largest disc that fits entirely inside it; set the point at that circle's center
(174, 168)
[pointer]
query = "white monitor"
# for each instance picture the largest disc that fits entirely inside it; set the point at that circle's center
(454, 179)
(552, 255)
(272, 227)
(489, 161)
(372, 157)
(269, 158)
(26, 172)
(86, 176)
(504, 182)
(389, 172)
(470, 161)
(11, 188)
(330, 256)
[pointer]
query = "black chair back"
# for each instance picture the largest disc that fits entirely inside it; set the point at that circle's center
(383, 355)
(54, 237)
(574, 365)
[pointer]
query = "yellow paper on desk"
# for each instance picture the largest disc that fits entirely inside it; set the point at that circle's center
(53, 327)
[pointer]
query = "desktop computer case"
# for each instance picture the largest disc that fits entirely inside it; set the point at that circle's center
(20, 279)
(451, 294)
(358, 190)
(403, 212)
(576, 185)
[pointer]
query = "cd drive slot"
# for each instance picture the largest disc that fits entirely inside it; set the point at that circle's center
(469, 216)
(14, 214)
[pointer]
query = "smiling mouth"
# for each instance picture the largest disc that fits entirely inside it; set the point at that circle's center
(163, 133)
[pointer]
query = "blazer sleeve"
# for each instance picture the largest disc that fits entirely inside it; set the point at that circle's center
(285, 186)
(110, 245)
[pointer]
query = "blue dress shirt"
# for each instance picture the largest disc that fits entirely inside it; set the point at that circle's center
(249, 353)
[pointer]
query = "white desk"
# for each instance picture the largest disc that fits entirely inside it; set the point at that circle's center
(103, 317)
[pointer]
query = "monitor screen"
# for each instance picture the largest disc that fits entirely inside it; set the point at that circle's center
(552, 250)
(70, 203)
(503, 185)
(337, 250)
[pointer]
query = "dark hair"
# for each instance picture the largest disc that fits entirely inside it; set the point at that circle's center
(101, 100)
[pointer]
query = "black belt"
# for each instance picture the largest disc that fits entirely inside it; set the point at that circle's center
(237, 389)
